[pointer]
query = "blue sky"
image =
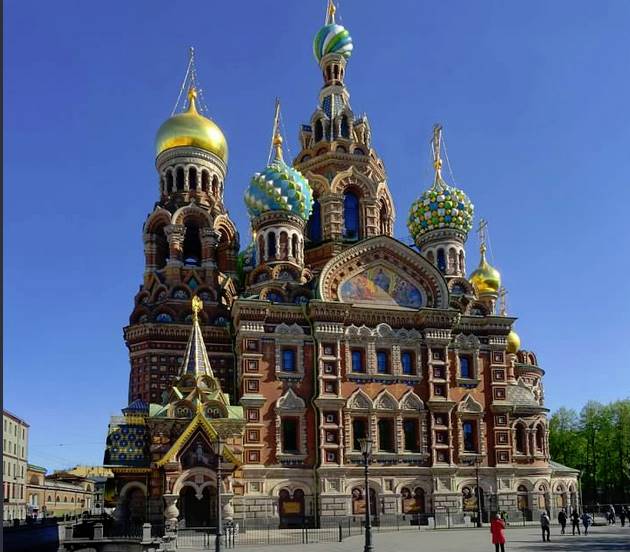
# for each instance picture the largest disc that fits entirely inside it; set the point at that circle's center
(533, 97)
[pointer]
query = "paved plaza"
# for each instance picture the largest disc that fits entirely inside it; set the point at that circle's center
(600, 539)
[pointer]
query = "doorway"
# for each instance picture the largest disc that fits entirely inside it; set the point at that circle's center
(197, 512)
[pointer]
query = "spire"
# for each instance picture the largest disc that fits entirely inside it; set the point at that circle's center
(330, 13)
(482, 231)
(502, 301)
(191, 84)
(276, 136)
(436, 145)
(196, 360)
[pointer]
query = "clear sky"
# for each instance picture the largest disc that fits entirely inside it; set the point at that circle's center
(535, 102)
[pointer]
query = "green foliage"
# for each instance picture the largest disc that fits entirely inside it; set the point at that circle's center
(597, 442)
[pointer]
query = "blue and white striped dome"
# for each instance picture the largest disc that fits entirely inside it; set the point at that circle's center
(332, 39)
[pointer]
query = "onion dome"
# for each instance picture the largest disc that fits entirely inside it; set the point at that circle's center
(513, 342)
(192, 129)
(485, 279)
(332, 38)
(279, 187)
(441, 206)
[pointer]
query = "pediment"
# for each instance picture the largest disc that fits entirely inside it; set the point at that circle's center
(383, 272)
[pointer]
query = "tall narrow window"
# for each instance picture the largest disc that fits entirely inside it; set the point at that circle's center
(386, 435)
(357, 361)
(441, 260)
(351, 216)
(192, 178)
(465, 369)
(288, 360)
(520, 439)
(345, 127)
(540, 438)
(271, 245)
(179, 178)
(469, 436)
(314, 225)
(319, 130)
(192, 245)
(410, 429)
(382, 362)
(359, 431)
(290, 435)
(294, 246)
(406, 359)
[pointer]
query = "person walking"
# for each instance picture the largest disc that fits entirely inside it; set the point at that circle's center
(545, 524)
(498, 536)
(623, 513)
(575, 522)
(562, 520)
(586, 521)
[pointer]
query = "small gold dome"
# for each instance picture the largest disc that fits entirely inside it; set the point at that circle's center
(191, 129)
(485, 279)
(513, 342)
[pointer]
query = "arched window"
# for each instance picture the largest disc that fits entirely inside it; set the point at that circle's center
(384, 218)
(522, 498)
(261, 248)
(314, 224)
(192, 245)
(192, 178)
(294, 246)
(351, 215)
(345, 127)
(441, 260)
(205, 181)
(169, 181)
(179, 179)
(540, 438)
(271, 245)
(284, 246)
(462, 263)
(162, 250)
(215, 186)
(520, 439)
(319, 130)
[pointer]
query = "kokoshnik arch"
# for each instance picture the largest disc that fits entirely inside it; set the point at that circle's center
(323, 331)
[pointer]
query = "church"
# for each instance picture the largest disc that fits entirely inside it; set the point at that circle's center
(256, 373)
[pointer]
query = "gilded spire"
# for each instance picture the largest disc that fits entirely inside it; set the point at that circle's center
(276, 140)
(436, 144)
(330, 13)
(196, 361)
(502, 301)
(192, 99)
(485, 279)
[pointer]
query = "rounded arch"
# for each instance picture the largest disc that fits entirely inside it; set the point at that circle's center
(180, 177)
(192, 213)
(186, 479)
(192, 177)
(291, 485)
(132, 485)
(352, 178)
(352, 219)
(159, 218)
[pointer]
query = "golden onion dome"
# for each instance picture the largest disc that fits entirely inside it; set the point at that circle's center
(485, 279)
(190, 128)
(513, 342)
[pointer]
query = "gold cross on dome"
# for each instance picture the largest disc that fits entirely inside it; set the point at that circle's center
(503, 301)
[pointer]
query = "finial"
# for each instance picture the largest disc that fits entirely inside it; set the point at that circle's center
(192, 97)
(482, 231)
(276, 140)
(503, 301)
(197, 305)
(330, 13)
(436, 142)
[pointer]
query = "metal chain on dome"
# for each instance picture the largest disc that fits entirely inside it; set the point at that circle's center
(190, 79)
(448, 163)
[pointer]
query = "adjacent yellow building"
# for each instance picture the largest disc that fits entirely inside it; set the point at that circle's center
(14, 454)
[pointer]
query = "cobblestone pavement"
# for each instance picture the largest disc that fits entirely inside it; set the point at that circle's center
(521, 539)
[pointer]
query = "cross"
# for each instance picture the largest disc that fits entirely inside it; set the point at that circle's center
(436, 142)
(503, 301)
(330, 12)
(197, 305)
(482, 231)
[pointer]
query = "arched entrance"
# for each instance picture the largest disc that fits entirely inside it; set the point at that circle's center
(291, 508)
(358, 502)
(196, 510)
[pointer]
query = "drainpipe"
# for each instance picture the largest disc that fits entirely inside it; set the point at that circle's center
(318, 459)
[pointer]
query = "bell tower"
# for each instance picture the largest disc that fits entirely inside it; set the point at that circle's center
(190, 247)
(351, 198)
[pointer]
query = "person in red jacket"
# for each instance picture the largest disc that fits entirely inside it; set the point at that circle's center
(498, 537)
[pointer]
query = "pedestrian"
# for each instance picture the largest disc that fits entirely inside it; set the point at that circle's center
(562, 520)
(545, 523)
(586, 521)
(623, 513)
(611, 515)
(498, 536)
(575, 522)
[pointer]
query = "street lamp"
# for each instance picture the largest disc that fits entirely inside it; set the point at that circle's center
(217, 542)
(477, 462)
(366, 451)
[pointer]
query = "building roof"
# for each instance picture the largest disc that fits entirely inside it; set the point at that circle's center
(33, 467)
(557, 467)
(14, 417)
